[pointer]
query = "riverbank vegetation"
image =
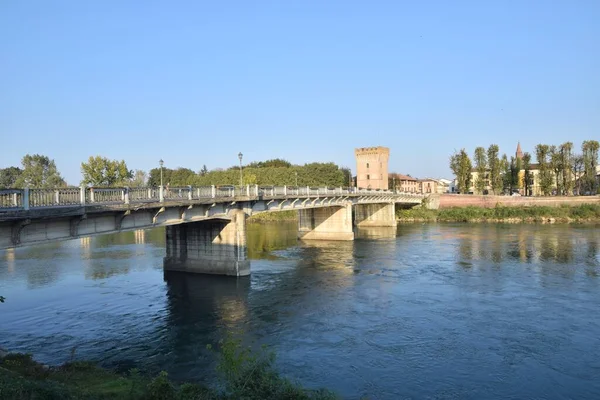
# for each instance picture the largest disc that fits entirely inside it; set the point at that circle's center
(39, 171)
(288, 215)
(563, 214)
(244, 374)
(559, 170)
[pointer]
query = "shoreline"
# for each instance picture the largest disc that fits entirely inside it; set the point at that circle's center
(242, 374)
(564, 214)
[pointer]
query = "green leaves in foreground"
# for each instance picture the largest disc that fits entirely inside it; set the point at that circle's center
(245, 375)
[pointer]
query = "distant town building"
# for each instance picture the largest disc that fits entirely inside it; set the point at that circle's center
(372, 167)
(428, 185)
(407, 184)
(444, 185)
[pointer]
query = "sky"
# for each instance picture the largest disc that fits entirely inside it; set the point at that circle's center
(197, 82)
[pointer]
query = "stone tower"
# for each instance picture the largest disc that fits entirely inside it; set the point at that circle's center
(372, 167)
(519, 152)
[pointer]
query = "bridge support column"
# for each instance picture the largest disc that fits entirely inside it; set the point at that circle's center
(209, 247)
(378, 214)
(328, 223)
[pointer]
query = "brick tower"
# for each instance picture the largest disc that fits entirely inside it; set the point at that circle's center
(372, 167)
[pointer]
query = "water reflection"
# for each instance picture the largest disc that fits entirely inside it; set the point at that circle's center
(387, 232)
(262, 242)
(431, 311)
(527, 244)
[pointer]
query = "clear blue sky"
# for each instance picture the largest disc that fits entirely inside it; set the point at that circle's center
(195, 82)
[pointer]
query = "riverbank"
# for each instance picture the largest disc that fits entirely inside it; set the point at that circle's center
(582, 213)
(244, 375)
(289, 215)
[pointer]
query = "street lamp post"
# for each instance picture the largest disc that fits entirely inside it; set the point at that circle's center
(160, 190)
(296, 173)
(394, 184)
(240, 155)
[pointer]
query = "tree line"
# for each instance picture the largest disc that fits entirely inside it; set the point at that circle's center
(39, 171)
(559, 170)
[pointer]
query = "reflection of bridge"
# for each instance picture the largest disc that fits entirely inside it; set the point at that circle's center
(206, 226)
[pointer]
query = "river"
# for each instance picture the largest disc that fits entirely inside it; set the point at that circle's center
(424, 311)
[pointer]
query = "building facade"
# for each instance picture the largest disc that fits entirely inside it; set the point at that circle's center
(372, 167)
(428, 185)
(407, 184)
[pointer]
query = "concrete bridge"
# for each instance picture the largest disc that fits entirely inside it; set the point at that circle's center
(205, 226)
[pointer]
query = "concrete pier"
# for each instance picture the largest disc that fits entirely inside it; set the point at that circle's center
(209, 247)
(382, 214)
(330, 223)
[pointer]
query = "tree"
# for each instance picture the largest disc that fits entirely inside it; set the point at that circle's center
(566, 159)
(556, 167)
(100, 171)
(589, 148)
(578, 168)
(204, 170)
(481, 167)
(494, 167)
(276, 163)
(39, 172)
(506, 175)
(515, 169)
(527, 177)
(182, 177)
(461, 166)
(545, 174)
(9, 177)
(139, 178)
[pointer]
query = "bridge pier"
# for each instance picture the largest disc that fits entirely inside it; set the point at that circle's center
(328, 223)
(209, 247)
(379, 214)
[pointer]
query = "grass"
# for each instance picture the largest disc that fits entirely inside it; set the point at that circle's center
(563, 213)
(289, 215)
(245, 375)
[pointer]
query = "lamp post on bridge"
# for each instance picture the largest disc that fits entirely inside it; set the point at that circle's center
(161, 194)
(240, 155)
(394, 183)
(296, 173)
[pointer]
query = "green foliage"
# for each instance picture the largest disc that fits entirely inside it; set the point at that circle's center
(246, 375)
(314, 174)
(173, 177)
(528, 177)
(542, 152)
(565, 213)
(589, 149)
(100, 171)
(460, 164)
(288, 215)
(9, 177)
(274, 163)
(160, 388)
(495, 169)
(481, 167)
(506, 173)
(250, 376)
(39, 172)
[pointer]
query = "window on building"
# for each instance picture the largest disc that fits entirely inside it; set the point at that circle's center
(367, 165)
(368, 176)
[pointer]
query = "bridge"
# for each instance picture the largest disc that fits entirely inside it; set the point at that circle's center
(205, 226)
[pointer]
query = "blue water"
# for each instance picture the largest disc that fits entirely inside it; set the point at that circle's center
(427, 311)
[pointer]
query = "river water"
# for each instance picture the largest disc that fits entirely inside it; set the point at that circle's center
(424, 311)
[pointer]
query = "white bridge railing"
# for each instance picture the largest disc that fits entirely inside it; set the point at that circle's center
(25, 199)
